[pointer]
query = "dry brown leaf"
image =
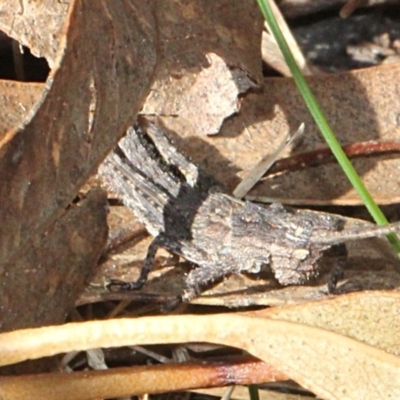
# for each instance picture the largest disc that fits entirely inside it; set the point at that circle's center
(331, 365)
(43, 283)
(56, 142)
(360, 106)
(16, 101)
(369, 317)
(209, 54)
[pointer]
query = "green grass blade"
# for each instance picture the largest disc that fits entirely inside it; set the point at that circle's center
(323, 125)
(253, 392)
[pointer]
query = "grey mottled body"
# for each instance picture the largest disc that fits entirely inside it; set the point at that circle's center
(188, 214)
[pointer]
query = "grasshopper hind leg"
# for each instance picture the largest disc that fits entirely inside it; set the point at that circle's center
(157, 243)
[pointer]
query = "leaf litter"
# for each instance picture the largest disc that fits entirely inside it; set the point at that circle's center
(235, 149)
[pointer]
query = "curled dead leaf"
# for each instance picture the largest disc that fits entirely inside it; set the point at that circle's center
(209, 55)
(331, 364)
(360, 106)
(53, 139)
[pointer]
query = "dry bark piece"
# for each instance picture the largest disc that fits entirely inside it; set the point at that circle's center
(214, 90)
(209, 55)
(37, 25)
